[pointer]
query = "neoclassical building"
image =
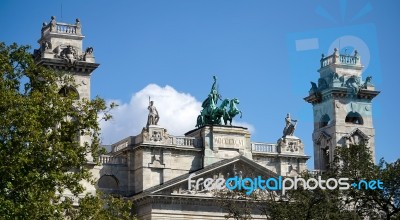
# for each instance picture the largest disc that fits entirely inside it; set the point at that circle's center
(154, 168)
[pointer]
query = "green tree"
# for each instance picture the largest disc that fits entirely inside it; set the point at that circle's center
(353, 162)
(387, 200)
(356, 163)
(40, 153)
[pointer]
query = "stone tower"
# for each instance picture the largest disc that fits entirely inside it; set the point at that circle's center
(61, 49)
(342, 107)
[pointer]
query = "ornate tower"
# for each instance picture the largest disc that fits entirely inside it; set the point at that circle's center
(61, 49)
(342, 107)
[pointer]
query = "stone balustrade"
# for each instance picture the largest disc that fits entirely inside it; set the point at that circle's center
(263, 147)
(186, 142)
(335, 58)
(346, 59)
(327, 61)
(104, 159)
(66, 28)
(107, 159)
(63, 28)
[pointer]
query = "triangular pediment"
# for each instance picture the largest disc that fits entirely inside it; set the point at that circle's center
(357, 132)
(237, 166)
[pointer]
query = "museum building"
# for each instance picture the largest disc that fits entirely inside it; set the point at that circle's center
(154, 168)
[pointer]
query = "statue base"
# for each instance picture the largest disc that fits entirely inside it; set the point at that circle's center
(222, 142)
(290, 144)
(154, 134)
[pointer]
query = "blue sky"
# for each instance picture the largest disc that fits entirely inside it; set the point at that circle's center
(174, 47)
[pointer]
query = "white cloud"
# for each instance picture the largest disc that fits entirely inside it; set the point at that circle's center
(178, 113)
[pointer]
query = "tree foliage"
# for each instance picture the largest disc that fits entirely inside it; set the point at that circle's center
(40, 153)
(352, 162)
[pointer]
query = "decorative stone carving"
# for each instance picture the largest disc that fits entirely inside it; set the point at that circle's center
(157, 159)
(145, 134)
(53, 24)
(156, 136)
(336, 80)
(46, 46)
(354, 84)
(69, 54)
(292, 147)
(290, 144)
(335, 76)
(314, 88)
(322, 84)
(368, 83)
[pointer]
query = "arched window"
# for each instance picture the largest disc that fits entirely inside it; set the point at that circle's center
(108, 182)
(69, 90)
(325, 119)
(354, 118)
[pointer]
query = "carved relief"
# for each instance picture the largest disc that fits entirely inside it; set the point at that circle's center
(157, 158)
(354, 84)
(156, 136)
(237, 169)
(46, 46)
(145, 134)
(292, 147)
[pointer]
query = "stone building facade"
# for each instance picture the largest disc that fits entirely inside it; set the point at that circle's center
(154, 168)
(342, 107)
(61, 49)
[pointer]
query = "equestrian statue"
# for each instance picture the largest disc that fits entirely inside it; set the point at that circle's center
(212, 114)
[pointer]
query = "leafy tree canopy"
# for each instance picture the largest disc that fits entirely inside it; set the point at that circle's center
(354, 163)
(40, 153)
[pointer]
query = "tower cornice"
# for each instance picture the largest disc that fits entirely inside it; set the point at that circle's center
(63, 65)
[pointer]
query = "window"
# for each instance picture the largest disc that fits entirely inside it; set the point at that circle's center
(108, 182)
(325, 119)
(69, 90)
(354, 118)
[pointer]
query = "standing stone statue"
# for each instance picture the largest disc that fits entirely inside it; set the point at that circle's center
(153, 117)
(290, 126)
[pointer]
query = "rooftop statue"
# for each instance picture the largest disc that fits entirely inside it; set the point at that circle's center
(153, 116)
(212, 114)
(290, 126)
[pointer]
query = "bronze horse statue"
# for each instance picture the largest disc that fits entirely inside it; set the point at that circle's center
(233, 111)
(212, 114)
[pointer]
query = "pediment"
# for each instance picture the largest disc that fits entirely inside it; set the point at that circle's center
(238, 166)
(322, 136)
(357, 132)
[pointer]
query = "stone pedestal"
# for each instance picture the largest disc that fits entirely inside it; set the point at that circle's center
(290, 145)
(153, 134)
(292, 158)
(222, 142)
